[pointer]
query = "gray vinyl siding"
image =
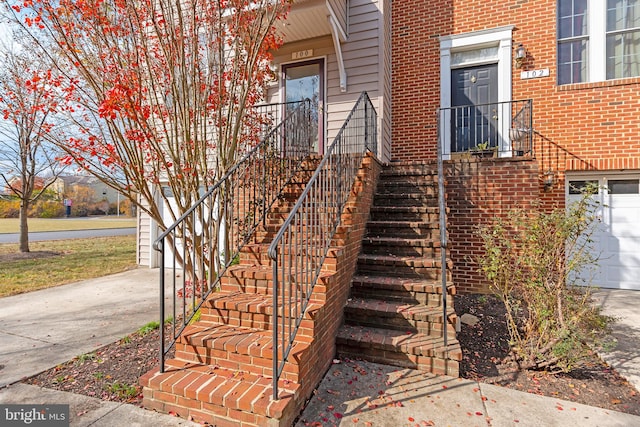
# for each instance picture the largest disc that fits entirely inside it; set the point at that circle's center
(367, 59)
(144, 239)
(364, 59)
(339, 7)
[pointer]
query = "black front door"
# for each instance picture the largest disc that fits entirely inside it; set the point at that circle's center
(474, 91)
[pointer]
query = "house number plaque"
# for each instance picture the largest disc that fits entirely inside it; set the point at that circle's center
(301, 54)
(534, 74)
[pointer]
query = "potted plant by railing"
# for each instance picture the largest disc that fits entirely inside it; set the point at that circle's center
(519, 140)
(483, 150)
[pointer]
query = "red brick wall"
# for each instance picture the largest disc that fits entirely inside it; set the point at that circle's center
(327, 319)
(578, 127)
(477, 192)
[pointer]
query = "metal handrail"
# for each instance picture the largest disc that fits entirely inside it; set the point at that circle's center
(208, 237)
(504, 128)
(301, 245)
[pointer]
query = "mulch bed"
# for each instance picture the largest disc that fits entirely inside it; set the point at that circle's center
(485, 346)
(112, 372)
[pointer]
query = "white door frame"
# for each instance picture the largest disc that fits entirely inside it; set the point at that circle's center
(495, 37)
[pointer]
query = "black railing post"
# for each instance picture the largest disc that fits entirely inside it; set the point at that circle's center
(183, 230)
(160, 247)
(275, 327)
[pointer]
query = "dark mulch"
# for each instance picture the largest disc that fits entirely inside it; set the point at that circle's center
(484, 347)
(110, 373)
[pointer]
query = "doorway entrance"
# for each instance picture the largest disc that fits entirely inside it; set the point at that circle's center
(475, 123)
(305, 80)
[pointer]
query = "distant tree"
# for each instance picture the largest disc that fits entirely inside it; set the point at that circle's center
(30, 98)
(162, 87)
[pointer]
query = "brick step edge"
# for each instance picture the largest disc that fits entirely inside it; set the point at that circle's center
(400, 315)
(405, 284)
(246, 310)
(237, 348)
(399, 342)
(438, 360)
(219, 395)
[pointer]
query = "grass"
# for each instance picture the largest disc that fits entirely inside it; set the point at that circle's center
(12, 225)
(149, 327)
(67, 261)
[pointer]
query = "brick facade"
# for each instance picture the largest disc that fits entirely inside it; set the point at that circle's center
(577, 127)
(478, 192)
(585, 126)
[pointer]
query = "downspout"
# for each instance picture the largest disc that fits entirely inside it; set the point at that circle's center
(336, 32)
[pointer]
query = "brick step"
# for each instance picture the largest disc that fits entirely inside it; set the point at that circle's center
(218, 396)
(237, 348)
(404, 229)
(405, 213)
(420, 188)
(427, 268)
(402, 170)
(397, 348)
(254, 279)
(400, 316)
(255, 254)
(401, 246)
(401, 289)
(411, 200)
(255, 311)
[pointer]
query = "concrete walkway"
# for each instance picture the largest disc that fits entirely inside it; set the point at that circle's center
(41, 329)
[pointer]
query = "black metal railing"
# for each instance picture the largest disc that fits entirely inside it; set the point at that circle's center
(500, 129)
(301, 246)
(197, 249)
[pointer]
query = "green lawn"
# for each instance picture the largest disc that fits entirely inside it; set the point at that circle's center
(12, 225)
(57, 262)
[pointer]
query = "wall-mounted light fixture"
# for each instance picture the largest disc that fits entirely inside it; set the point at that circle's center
(521, 55)
(548, 179)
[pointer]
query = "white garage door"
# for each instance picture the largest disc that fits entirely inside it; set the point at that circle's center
(617, 240)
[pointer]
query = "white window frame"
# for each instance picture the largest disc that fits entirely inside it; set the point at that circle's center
(596, 41)
(500, 37)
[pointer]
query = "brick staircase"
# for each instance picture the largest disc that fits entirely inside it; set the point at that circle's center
(394, 315)
(222, 370)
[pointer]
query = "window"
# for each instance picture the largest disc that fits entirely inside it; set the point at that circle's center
(623, 186)
(581, 187)
(572, 41)
(598, 40)
(623, 38)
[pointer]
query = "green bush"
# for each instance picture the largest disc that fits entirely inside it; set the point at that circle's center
(535, 261)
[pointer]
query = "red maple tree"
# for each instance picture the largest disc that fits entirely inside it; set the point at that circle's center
(160, 87)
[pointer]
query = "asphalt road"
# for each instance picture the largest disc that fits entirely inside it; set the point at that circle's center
(75, 234)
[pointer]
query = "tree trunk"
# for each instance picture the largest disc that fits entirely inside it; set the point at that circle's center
(24, 227)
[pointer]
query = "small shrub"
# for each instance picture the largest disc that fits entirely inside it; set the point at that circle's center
(151, 326)
(123, 390)
(86, 357)
(534, 261)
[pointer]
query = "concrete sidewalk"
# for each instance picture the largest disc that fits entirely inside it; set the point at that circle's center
(41, 329)
(356, 393)
(44, 328)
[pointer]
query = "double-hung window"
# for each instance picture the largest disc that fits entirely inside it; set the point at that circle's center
(598, 40)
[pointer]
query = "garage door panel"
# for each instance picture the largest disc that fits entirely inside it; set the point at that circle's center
(622, 278)
(616, 240)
